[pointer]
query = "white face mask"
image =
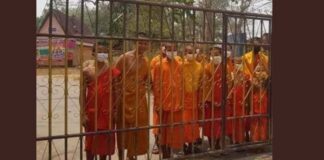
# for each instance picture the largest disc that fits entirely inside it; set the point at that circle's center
(216, 59)
(101, 57)
(169, 54)
(197, 51)
(190, 57)
(229, 54)
(163, 49)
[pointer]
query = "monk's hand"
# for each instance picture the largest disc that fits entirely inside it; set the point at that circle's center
(217, 104)
(157, 108)
(115, 116)
(84, 120)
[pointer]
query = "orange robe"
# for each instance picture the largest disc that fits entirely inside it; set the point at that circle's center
(192, 72)
(259, 125)
(168, 75)
(156, 119)
(100, 144)
(258, 96)
(133, 112)
(239, 110)
(217, 92)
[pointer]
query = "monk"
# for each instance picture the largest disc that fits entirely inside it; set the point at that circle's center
(161, 54)
(98, 112)
(192, 74)
(133, 109)
(212, 85)
(238, 106)
(168, 95)
(255, 68)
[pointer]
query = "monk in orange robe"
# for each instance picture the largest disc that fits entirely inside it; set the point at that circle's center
(192, 74)
(212, 85)
(99, 114)
(168, 95)
(255, 67)
(133, 109)
(238, 106)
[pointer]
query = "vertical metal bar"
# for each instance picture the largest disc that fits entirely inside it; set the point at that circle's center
(172, 24)
(244, 30)
(50, 81)
(253, 31)
(111, 17)
(183, 24)
(161, 129)
(202, 92)
(261, 87)
(194, 41)
(150, 23)
(194, 26)
(235, 29)
(137, 18)
(214, 25)
(124, 78)
(110, 67)
(137, 92)
(172, 101)
(204, 26)
(212, 79)
(96, 80)
(137, 81)
(261, 21)
(270, 108)
(161, 24)
(224, 72)
(124, 20)
(66, 83)
(149, 87)
(82, 107)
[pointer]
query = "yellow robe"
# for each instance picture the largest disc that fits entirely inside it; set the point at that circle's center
(192, 72)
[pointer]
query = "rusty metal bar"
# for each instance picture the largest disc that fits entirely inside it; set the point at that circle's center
(111, 109)
(82, 91)
(161, 24)
(232, 13)
(134, 39)
(111, 5)
(140, 128)
(160, 104)
(270, 108)
(150, 19)
(124, 80)
(96, 76)
(214, 25)
(204, 26)
(183, 25)
(66, 83)
(50, 81)
(194, 27)
(149, 87)
(224, 84)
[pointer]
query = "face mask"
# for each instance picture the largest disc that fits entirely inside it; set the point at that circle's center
(101, 57)
(169, 54)
(163, 49)
(190, 57)
(197, 51)
(229, 54)
(216, 59)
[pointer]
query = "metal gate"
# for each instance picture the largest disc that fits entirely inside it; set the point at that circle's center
(62, 90)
